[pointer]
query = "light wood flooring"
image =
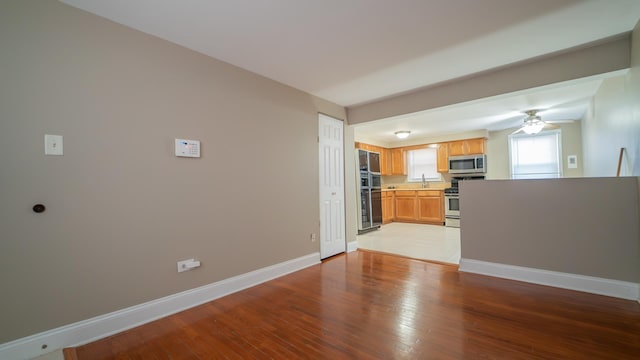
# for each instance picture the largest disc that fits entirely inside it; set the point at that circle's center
(417, 241)
(366, 305)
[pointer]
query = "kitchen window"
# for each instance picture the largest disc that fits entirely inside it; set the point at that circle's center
(536, 156)
(423, 161)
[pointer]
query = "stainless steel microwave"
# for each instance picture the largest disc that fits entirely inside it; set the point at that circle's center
(468, 164)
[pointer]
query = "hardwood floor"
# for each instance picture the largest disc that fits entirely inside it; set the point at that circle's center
(367, 305)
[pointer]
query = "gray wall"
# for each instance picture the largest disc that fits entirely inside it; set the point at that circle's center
(585, 226)
(122, 209)
(351, 196)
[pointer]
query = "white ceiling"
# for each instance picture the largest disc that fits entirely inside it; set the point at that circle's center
(564, 102)
(356, 51)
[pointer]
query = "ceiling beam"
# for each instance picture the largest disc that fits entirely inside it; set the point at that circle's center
(600, 57)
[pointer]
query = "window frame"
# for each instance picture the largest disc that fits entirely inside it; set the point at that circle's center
(556, 132)
(410, 166)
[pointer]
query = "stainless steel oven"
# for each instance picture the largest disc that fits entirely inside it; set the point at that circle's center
(452, 200)
(452, 209)
(452, 205)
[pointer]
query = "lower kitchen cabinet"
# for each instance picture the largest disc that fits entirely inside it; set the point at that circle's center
(419, 206)
(387, 207)
(405, 201)
(430, 206)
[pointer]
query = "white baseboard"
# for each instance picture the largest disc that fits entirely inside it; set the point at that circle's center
(102, 326)
(594, 285)
(352, 246)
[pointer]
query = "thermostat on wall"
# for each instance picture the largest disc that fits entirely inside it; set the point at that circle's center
(187, 148)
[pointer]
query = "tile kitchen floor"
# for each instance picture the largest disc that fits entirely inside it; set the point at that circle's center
(427, 242)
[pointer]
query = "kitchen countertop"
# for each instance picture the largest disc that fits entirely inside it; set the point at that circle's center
(404, 189)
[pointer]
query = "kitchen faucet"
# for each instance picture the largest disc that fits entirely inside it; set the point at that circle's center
(424, 183)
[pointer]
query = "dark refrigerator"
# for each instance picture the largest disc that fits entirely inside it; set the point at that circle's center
(369, 191)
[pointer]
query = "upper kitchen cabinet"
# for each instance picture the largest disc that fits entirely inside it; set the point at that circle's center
(466, 147)
(475, 146)
(443, 158)
(386, 167)
(398, 161)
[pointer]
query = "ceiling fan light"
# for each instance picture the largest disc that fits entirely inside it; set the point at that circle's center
(533, 128)
(533, 124)
(402, 134)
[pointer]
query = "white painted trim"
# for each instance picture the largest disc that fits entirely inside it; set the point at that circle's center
(590, 284)
(102, 326)
(352, 246)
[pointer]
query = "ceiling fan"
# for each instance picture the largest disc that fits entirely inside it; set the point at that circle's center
(533, 124)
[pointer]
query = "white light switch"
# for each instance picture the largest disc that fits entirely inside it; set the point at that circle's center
(53, 144)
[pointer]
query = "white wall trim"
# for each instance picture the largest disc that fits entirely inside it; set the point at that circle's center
(352, 246)
(101, 326)
(590, 284)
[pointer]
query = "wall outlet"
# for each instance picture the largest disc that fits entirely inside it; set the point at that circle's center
(186, 265)
(313, 237)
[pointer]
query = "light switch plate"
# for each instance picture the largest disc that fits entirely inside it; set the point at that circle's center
(572, 161)
(53, 145)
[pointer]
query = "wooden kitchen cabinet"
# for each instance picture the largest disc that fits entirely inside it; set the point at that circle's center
(430, 205)
(363, 146)
(387, 207)
(443, 158)
(398, 161)
(456, 148)
(385, 162)
(475, 146)
(405, 205)
(419, 206)
(466, 147)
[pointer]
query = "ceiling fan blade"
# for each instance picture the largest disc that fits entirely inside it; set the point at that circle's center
(517, 131)
(548, 126)
(567, 121)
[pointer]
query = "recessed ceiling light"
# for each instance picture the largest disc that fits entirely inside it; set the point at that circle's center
(402, 134)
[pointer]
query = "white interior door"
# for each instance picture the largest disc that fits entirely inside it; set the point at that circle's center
(332, 218)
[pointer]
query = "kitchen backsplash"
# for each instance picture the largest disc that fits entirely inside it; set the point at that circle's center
(400, 182)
